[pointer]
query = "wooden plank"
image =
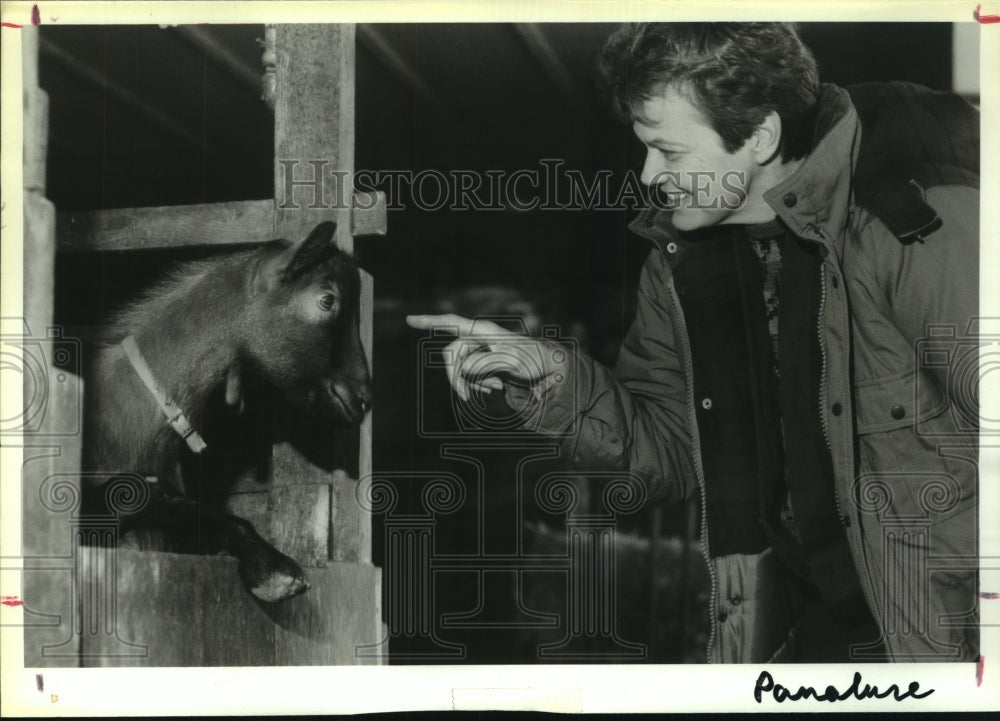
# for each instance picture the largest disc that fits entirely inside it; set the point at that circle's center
(314, 123)
(250, 506)
(313, 128)
(369, 215)
(51, 421)
(170, 226)
(47, 590)
(186, 611)
(36, 139)
(325, 625)
(298, 519)
(39, 213)
(176, 226)
(351, 534)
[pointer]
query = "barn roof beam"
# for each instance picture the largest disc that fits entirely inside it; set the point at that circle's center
(374, 42)
(202, 38)
(545, 55)
(117, 92)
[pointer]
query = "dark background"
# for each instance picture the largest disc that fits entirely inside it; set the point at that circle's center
(148, 116)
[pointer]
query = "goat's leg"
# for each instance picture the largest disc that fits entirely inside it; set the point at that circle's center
(191, 528)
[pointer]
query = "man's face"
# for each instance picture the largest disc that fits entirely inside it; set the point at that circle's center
(685, 159)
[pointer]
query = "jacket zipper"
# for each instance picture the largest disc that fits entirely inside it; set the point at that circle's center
(867, 588)
(824, 423)
(699, 471)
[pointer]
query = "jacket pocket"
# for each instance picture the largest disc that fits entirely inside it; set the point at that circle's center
(897, 401)
(913, 460)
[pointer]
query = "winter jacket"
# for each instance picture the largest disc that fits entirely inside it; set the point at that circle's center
(897, 398)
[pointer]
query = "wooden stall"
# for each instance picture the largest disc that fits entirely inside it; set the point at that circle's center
(94, 607)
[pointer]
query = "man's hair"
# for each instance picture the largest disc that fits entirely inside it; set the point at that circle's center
(734, 73)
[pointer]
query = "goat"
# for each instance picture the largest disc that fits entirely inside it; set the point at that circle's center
(286, 313)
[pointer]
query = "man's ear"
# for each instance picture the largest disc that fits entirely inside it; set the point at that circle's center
(766, 139)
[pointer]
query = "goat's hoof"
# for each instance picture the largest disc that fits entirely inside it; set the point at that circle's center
(270, 575)
(280, 585)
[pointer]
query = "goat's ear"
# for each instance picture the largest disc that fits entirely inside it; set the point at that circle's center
(310, 252)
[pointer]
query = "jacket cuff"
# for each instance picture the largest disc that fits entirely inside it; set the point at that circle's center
(553, 407)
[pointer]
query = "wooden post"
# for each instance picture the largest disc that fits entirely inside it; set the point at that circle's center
(52, 422)
(313, 511)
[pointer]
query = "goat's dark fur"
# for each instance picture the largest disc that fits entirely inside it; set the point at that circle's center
(263, 312)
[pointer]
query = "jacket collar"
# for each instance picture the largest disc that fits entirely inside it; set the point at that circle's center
(815, 201)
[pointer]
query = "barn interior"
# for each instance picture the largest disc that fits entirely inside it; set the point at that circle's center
(162, 116)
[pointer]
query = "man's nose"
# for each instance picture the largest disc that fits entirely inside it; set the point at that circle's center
(653, 169)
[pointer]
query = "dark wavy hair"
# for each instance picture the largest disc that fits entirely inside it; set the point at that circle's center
(735, 73)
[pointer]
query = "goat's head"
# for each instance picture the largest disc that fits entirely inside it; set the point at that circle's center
(303, 330)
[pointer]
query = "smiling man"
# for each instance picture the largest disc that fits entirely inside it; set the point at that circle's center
(688, 164)
(807, 243)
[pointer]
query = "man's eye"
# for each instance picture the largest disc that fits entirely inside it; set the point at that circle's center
(670, 154)
(327, 301)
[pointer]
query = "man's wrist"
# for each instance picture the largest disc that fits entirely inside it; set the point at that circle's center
(552, 404)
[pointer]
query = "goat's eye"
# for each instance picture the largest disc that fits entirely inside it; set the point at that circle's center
(327, 301)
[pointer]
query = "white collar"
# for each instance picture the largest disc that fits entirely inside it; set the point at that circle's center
(175, 416)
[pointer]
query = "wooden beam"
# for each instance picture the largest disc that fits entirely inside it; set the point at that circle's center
(325, 625)
(170, 226)
(176, 226)
(369, 214)
(314, 123)
(186, 610)
(36, 117)
(52, 427)
(314, 126)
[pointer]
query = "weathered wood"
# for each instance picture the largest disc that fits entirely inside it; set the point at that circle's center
(314, 130)
(249, 221)
(369, 216)
(47, 590)
(52, 401)
(35, 130)
(351, 535)
(313, 136)
(175, 226)
(52, 426)
(298, 521)
(252, 507)
(325, 625)
(314, 123)
(186, 611)
(36, 140)
(39, 214)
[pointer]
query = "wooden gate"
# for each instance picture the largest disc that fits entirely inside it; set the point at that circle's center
(95, 607)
